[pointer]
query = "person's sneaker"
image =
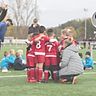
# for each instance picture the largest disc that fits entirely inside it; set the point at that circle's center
(32, 81)
(63, 81)
(38, 82)
(44, 81)
(5, 70)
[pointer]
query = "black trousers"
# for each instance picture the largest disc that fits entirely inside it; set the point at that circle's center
(69, 78)
(0, 44)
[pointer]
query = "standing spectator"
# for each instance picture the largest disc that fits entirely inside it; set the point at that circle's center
(3, 29)
(71, 64)
(34, 28)
(84, 44)
(3, 11)
(89, 45)
(88, 61)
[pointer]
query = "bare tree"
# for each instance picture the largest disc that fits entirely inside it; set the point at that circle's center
(22, 12)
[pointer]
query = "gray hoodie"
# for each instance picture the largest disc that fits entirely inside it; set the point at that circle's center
(71, 63)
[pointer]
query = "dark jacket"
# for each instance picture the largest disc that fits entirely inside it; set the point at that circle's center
(34, 30)
(3, 29)
(3, 13)
(18, 65)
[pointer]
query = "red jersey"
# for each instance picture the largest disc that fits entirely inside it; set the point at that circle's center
(61, 46)
(40, 46)
(32, 48)
(51, 48)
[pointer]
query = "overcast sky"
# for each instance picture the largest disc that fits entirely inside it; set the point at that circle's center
(55, 12)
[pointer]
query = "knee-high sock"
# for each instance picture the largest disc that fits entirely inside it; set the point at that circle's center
(37, 74)
(28, 74)
(40, 74)
(54, 75)
(32, 73)
(46, 75)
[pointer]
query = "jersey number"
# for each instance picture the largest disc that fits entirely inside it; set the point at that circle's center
(49, 47)
(38, 45)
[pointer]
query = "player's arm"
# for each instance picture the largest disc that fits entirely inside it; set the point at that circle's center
(3, 11)
(29, 42)
(38, 37)
(59, 47)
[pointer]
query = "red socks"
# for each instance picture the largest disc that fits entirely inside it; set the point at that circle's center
(28, 75)
(31, 75)
(46, 75)
(39, 73)
(54, 75)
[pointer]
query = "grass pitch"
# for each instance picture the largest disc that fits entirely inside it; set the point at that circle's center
(14, 83)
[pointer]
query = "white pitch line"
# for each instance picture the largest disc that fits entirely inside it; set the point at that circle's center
(13, 76)
(87, 73)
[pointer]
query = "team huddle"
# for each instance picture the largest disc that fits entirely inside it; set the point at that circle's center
(43, 54)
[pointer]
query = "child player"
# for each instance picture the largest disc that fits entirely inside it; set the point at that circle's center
(51, 50)
(30, 57)
(40, 53)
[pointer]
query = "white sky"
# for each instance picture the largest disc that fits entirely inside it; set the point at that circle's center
(55, 12)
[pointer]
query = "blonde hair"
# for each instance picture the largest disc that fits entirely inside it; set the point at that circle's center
(20, 51)
(12, 51)
(69, 31)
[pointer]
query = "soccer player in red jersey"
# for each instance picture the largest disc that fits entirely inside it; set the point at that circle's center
(40, 53)
(30, 58)
(51, 51)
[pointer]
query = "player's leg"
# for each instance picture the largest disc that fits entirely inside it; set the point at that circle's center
(31, 68)
(37, 68)
(41, 60)
(54, 67)
(46, 69)
(69, 78)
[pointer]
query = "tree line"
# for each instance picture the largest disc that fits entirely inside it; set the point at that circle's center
(79, 26)
(22, 13)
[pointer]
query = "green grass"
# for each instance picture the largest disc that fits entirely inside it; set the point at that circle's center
(93, 53)
(15, 47)
(23, 47)
(17, 86)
